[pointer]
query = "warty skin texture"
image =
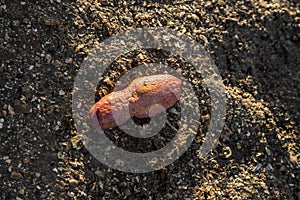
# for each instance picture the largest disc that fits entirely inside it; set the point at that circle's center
(137, 99)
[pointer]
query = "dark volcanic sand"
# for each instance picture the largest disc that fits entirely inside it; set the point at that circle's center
(256, 46)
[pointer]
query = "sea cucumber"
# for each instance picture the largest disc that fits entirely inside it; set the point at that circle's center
(136, 100)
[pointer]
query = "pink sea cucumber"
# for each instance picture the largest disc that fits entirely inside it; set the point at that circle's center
(137, 99)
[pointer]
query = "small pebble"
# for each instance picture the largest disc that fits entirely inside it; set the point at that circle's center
(56, 128)
(71, 194)
(10, 110)
(3, 7)
(48, 58)
(16, 175)
(61, 92)
(37, 174)
(120, 162)
(73, 181)
(5, 157)
(69, 60)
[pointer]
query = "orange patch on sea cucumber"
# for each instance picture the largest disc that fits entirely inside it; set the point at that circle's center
(146, 88)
